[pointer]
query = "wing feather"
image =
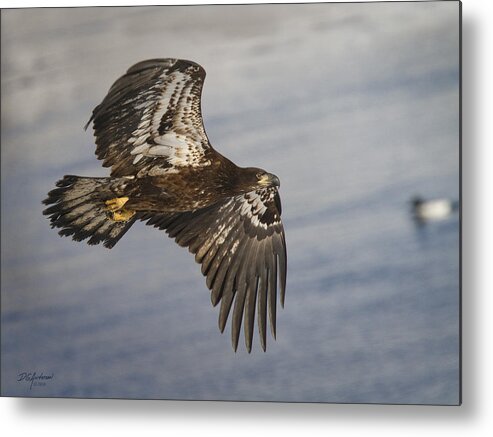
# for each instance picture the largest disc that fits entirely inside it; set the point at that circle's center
(241, 246)
(271, 295)
(251, 296)
(239, 305)
(221, 255)
(151, 118)
(262, 306)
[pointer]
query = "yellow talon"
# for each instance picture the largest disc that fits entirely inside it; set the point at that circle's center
(116, 204)
(122, 215)
(118, 213)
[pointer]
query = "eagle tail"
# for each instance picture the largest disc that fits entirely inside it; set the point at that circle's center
(79, 207)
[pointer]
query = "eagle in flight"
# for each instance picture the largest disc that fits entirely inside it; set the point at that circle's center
(164, 171)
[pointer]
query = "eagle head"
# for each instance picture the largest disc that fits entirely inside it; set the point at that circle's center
(253, 178)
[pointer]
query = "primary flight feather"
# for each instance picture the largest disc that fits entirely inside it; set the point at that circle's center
(164, 171)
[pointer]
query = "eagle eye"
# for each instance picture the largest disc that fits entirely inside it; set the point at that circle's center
(260, 174)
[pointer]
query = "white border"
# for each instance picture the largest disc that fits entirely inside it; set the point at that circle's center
(473, 418)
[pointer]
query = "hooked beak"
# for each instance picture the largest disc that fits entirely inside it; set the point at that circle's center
(269, 180)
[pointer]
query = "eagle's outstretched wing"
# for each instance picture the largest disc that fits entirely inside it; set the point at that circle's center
(151, 117)
(241, 245)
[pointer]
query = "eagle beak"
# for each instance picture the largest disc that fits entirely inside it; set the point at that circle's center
(269, 180)
(275, 180)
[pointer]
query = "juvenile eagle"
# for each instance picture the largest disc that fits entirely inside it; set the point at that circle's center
(164, 171)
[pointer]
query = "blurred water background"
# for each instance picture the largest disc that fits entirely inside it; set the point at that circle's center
(354, 106)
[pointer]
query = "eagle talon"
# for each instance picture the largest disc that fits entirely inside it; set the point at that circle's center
(116, 204)
(116, 212)
(122, 215)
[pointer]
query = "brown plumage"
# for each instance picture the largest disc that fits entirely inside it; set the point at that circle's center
(149, 130)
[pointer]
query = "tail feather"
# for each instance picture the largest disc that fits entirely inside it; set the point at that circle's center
(78, 209)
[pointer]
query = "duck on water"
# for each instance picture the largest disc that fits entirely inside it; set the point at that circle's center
(432, 209)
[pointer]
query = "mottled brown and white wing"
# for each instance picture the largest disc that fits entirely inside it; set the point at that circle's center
(151, 118)
(241, 245)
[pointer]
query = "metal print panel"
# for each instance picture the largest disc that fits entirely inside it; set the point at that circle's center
(306, 155)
